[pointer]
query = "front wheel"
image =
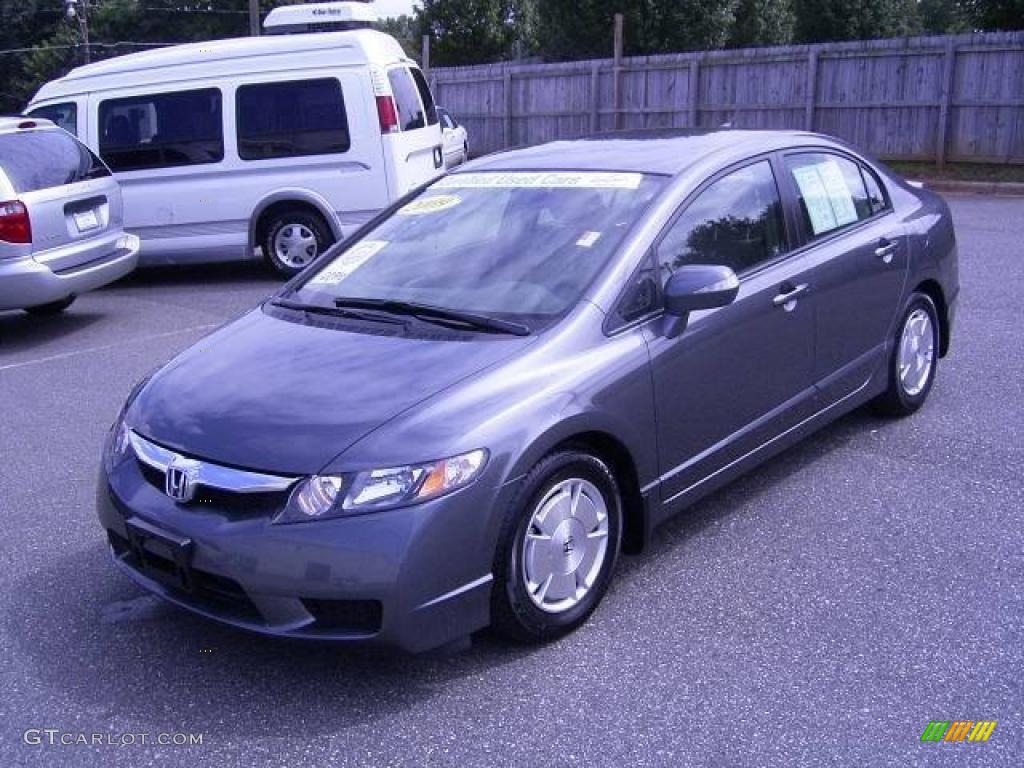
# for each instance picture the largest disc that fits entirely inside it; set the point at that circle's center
(914, 359)
(558, 548)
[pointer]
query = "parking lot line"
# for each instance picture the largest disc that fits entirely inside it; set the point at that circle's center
(104, 347)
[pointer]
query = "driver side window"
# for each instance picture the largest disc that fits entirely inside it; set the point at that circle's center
(736, 222)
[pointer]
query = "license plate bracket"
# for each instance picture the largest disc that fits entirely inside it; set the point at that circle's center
(86, 220)
(161, 555)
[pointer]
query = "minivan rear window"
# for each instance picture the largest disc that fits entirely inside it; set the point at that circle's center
(410, 110)
(35, 160)
(425, 95)
(64, 115)
(162, 130)
(291, 119)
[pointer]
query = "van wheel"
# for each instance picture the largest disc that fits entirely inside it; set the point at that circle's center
(557, 548)
(293, 238)
(53, 308)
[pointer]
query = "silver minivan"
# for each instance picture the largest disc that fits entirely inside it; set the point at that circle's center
(61, 219)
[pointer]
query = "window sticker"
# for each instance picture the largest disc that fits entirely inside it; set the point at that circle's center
(541, 180)
(428, 205)
(815, 196)
(587, 239)
(838, 192)
(348, 262)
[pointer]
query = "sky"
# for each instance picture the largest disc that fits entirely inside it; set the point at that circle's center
(386, 8)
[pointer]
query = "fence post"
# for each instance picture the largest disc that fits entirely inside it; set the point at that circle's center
(425, 55)
(595, 97)
(811, 97)
(617, 75)
(693, 114)
(947, 97)
(508, 107)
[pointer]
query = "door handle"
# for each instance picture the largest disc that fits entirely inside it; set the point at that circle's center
(787, 300)
(885, 250)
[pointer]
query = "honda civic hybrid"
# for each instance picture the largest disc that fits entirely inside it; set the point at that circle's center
(462, 415)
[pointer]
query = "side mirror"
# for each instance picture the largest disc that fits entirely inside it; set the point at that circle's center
(693, 287)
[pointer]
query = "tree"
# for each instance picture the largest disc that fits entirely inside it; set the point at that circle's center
(762, 22)
(995, 14)
(827, 20)
(467, 31)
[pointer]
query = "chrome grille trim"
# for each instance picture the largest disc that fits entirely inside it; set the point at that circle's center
(210, 475)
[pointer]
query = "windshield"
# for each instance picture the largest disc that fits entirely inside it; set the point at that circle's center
(518, 246)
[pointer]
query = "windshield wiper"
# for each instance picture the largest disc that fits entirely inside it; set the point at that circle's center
(350, 314)
(439, 315)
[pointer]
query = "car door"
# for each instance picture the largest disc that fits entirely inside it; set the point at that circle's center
(450, 138)
(847, 224)
(742, 373)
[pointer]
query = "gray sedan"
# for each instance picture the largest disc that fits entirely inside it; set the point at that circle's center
(60, 219)
(460, 416)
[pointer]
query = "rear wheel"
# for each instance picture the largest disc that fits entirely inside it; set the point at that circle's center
(914, 359)
(53, 308)
(558, 548)
(293, 238)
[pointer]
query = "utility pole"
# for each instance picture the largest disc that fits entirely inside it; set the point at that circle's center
(254, 18)
(80, 11)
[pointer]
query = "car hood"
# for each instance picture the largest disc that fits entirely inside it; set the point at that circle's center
(268, 394)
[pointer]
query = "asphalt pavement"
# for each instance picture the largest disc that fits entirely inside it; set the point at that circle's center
(820, 611)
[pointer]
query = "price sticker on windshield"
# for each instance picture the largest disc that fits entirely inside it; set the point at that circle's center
(428, 205)
(348, 262)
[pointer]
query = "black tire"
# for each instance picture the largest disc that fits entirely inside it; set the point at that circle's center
(897, 401)
(53, 308)
(300, 219)
(514, 615)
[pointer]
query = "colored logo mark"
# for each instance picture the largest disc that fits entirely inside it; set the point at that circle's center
(958, 730)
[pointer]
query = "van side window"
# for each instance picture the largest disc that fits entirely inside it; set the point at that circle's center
(63, 115)
(407, 97)
(162, 131)
(425, 95)
(291, 119)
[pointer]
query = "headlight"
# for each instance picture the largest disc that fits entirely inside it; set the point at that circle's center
(325, 496)
(118, 445)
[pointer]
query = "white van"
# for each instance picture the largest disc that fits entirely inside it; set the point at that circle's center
(288, 142)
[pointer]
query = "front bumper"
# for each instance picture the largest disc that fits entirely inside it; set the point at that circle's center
(413, 578)
(26, 282)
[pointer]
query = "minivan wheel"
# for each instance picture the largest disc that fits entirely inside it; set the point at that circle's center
(293, 238)
(914, 359)
(558, 547)
(53, 308)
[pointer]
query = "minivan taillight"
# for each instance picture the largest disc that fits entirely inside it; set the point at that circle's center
(15, 226)
(387, 114)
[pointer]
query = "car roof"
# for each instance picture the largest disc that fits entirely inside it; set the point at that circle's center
(12, 123)
(667, 152)
(217, 58)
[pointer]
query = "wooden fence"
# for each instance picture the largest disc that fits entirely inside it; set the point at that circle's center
(956, 98)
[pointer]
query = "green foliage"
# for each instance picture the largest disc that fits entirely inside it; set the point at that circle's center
(404, 29)
(467, 31)
(762, 22)
(819, 21)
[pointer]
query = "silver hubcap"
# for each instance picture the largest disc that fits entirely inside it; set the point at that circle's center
(917, 351)
(295, 245)
(565, 546)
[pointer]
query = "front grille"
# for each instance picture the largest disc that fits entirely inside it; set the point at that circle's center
(235, 506)
(217, 594)
(355, 616)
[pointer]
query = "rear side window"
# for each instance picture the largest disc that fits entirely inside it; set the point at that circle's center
(162, 131)
(831, 192)
(876, 198)
(407, 97)
(63, 115)
(34, 160)
(292, 119)
(425, 95)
